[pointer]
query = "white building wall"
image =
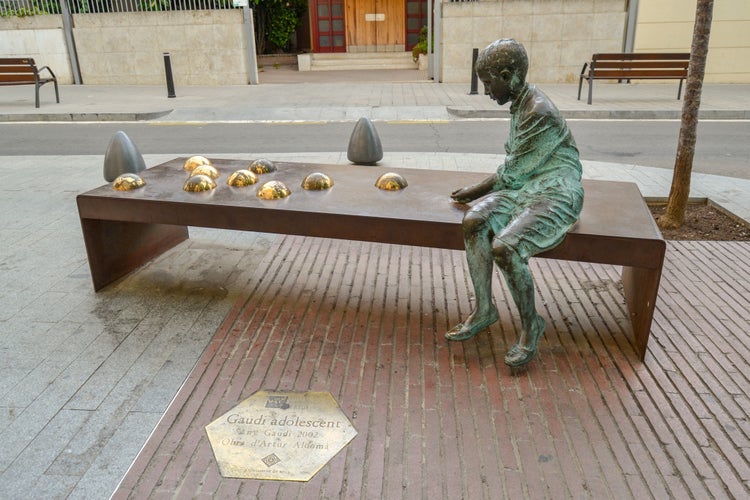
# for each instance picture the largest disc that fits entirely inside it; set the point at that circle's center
(559, 35)
(206, 47)
(667, 26)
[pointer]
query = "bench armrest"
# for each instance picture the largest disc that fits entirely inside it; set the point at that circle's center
(48, 69)
(580, 79)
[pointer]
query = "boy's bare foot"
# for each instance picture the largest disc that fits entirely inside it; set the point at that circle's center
(474, 324)
(522, 353)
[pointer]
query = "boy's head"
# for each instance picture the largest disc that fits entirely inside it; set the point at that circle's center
(502, 67)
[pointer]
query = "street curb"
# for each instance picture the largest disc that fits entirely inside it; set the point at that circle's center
(706, 114)
(84, 117)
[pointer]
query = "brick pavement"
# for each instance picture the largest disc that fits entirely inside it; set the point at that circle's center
(448, 420)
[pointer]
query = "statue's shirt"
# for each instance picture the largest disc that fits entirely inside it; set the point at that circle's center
(540, 145)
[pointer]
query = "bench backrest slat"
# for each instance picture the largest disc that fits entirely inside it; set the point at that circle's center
(626, 74)
(16, 79)
(23, 70)
(635, 56)
(28, 61)
(642, 64)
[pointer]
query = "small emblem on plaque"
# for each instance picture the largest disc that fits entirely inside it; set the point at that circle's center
(280, 402)
(271, 460)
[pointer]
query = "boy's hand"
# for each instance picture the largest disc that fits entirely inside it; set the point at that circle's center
(464, 194)
(471, 193)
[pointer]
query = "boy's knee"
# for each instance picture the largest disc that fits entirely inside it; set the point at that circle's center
(473, 223)
(503, 253)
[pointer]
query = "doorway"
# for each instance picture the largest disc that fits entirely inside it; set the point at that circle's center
(328, 26)
(416, 18)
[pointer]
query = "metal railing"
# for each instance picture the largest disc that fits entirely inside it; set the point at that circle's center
(22, 8)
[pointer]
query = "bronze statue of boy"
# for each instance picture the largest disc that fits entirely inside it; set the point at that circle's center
(527, 206)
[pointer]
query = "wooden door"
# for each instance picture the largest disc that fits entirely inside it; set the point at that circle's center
(375, 25)
(329, 34)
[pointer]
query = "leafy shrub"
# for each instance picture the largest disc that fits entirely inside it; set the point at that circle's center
(421, 46)
(276, 21)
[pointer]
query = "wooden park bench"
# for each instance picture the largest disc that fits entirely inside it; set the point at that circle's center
(123, 230)
(23, 71)
(634, 66)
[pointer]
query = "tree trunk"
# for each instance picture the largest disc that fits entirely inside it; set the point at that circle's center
(679, 193)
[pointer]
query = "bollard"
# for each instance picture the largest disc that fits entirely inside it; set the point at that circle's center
(474, 83)
(168, 71)
(122, 157)
(365, 147)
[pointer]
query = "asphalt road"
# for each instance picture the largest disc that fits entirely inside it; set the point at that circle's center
(723, 147)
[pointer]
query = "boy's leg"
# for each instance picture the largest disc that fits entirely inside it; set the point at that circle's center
(511, 248)
(478, 243)
(521, 286)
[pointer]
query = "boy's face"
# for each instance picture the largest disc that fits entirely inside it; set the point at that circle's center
(498, 87)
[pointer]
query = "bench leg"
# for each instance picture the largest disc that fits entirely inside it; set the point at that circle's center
(591, 89)
(641, 286)
(36, 93)
(580, 84)
(679, 90)
(116, 248)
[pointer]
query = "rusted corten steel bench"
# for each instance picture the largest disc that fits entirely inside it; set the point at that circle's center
(124, 230)
(634, 66)
(23, 71)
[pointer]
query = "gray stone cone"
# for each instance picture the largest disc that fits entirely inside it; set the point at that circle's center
(364, 144)
(122, 157)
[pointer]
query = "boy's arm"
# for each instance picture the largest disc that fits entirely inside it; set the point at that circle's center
(471, 193)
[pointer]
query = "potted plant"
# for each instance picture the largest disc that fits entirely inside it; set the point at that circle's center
(419, 51)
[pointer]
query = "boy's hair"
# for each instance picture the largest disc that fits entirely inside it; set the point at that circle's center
(504, 53)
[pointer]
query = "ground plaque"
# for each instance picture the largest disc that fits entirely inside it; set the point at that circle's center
(279, 435)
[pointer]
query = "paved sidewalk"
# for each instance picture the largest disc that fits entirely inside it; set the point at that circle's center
(85, 377)
(346, 97)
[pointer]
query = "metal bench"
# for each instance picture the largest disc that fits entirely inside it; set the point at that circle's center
(23, 71)
(123, 230)
(634, 66)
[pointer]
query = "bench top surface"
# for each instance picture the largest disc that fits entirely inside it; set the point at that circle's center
(611, 209)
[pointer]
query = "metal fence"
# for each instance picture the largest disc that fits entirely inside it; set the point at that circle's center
(22, 8)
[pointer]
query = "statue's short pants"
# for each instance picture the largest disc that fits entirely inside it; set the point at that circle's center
(532, 219)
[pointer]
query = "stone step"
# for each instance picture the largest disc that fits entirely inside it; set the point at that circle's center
(360, 61)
